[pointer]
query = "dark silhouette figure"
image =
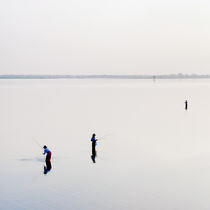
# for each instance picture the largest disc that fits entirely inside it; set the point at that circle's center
(48, 152)
(186, 105)
(48, 167)
(93, 139)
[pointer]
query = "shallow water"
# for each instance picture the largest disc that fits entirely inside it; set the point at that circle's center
(151, 153)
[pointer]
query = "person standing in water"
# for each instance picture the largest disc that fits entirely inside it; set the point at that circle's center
(48, 166)
(48, 152)
(186, 105)
(93, 139)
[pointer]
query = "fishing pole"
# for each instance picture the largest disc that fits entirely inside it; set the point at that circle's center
(104, 136)
(37, 143)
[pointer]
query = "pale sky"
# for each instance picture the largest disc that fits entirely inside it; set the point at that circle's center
(104, 37)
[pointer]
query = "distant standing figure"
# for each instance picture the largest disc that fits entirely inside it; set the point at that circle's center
(93, 139)
(48, 152)
(186, 105)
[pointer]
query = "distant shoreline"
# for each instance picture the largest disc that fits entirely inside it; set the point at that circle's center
(170, 76)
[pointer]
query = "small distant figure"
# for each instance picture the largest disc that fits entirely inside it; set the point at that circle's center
(48, 152)
(186, 105)
(93, 139)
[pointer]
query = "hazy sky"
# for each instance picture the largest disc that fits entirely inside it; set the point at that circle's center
(104, 37)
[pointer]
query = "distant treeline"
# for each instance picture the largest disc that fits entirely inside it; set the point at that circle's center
(168, 76)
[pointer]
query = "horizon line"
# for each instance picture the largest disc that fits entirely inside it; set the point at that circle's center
(105, 76)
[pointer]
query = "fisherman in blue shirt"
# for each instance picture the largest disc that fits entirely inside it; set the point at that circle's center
(48, 166)
(48, 152)
(93, 139)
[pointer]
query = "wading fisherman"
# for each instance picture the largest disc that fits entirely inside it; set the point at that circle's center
(48, 166)
(93, 139)
(49, 154)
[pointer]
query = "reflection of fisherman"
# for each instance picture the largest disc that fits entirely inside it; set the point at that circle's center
(186, 105)
(47, 151)
(48, 167)
(93, 157)
(93, 139)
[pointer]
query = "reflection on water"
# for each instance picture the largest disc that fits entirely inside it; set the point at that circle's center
(33, 159)
(153, 163)
(93, 157)
(48, 167)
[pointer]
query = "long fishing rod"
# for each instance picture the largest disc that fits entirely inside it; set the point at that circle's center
(104, 136)
(37, 143)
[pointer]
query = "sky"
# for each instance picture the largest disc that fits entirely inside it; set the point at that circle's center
(104, 37)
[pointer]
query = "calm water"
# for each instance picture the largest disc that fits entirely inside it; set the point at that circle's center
(151, 153)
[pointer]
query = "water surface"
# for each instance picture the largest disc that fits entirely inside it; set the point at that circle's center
(151, 153)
